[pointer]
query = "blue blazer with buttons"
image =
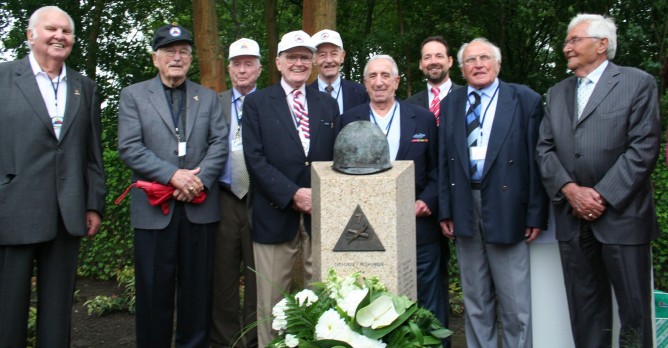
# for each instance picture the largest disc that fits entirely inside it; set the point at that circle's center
(276, 161)
(513, 196)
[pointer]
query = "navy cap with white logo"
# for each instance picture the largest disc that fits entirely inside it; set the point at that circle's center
(169, 34)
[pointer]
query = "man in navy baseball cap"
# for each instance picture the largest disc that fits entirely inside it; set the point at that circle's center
(169, 34)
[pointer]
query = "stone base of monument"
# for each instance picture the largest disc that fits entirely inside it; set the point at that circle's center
(366, 223)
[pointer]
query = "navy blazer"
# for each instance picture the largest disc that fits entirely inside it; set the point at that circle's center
(421, 98)
(513, 196)
(418, 142)
(276, 161)
(354, 93)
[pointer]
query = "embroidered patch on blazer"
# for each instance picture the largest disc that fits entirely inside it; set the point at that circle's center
(419, 138)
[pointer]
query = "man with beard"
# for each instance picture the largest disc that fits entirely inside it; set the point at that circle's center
(435, 63)
(329, 56)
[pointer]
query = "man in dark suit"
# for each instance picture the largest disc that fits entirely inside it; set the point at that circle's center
(329, 56)
(173, 131)
(412, 136)
(492, 202)
(50, 160)
(234, 246)
(285, 127)
(598, 145)
(435, 63)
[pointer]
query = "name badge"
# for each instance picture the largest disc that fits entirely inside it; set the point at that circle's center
(237, 144)
(478, 152)
(182, 149)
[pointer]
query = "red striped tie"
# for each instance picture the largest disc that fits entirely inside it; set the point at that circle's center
(300, 114)
(435, 106)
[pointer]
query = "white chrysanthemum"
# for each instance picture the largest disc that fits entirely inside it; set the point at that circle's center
(306, 298)
(291, 341)
(352, 299)
(330, 325)
(360, 341)
(280, 321)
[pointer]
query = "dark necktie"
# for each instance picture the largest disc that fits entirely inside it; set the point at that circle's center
(329, 89)
(472, 123)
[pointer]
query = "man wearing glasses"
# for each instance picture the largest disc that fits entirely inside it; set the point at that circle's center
(172, 131)
(285, 127)
(491, 200)
(599, 143)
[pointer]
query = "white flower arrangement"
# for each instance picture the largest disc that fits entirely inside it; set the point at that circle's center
(353, 312)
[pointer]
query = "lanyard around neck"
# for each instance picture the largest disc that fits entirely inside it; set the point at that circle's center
(389, 124)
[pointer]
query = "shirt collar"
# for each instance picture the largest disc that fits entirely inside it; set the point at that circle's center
(36, 69)
(444, 87)
(322, 84)
(236, 94)
(288, 89)
(488, 91)
(595, 75)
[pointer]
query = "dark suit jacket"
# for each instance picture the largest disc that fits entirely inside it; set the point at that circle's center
(418, 143)
(275, 157)
(421, 98)
(41, 176)
(148, 145)
(613, 148)
(354, 93)
(512, 194)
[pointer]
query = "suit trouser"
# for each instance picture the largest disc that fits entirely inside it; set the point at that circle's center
(275, 263)
(590, 267)
(429, 282)
(56, 262)
(233, 247)
(177, 259)
(491, 273)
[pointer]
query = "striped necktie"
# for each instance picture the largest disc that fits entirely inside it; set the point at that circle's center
(435, 106)
(302, 120)
(472, 123)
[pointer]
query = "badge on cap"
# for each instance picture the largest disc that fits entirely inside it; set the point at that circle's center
(175, 32)
(324, 36)
(298, 38)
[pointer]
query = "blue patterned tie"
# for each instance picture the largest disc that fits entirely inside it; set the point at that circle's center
(472, 123)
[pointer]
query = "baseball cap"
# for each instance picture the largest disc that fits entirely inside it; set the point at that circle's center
(169, 34)
(244, 47)
(295, 39)
(326, 36)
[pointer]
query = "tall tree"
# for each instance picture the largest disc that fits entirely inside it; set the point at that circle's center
(210, 51)
(270, 10)
(318, 15)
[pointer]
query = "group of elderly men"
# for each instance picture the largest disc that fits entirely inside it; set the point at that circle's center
(489, 160)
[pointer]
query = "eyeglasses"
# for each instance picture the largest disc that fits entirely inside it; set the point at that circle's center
(575, 40)
(293, 58)
(484, 58)
(171, 52)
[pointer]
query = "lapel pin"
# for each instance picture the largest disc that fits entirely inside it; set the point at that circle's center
(76, 92)
(196, 97)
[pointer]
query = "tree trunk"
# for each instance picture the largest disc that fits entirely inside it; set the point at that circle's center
(407, 51)
(93, 33)
(209, 49)
(270, 15)
(318, 15)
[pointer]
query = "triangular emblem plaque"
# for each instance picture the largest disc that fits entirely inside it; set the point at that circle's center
(359, 235)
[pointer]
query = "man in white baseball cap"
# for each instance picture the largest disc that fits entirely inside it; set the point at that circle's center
(233, 244)
(329, 56)
(285, 127)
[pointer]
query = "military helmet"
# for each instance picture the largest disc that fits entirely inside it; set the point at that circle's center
(361, 148)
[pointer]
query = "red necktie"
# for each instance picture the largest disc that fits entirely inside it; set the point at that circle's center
(300, 114)
(435, 106)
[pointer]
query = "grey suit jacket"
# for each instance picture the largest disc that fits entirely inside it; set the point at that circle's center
(147, 143)
(613, 148)
(41, 176)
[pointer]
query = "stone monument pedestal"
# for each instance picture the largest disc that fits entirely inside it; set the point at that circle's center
(366, 223)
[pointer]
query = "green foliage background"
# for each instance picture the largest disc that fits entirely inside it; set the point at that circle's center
(113, 47)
